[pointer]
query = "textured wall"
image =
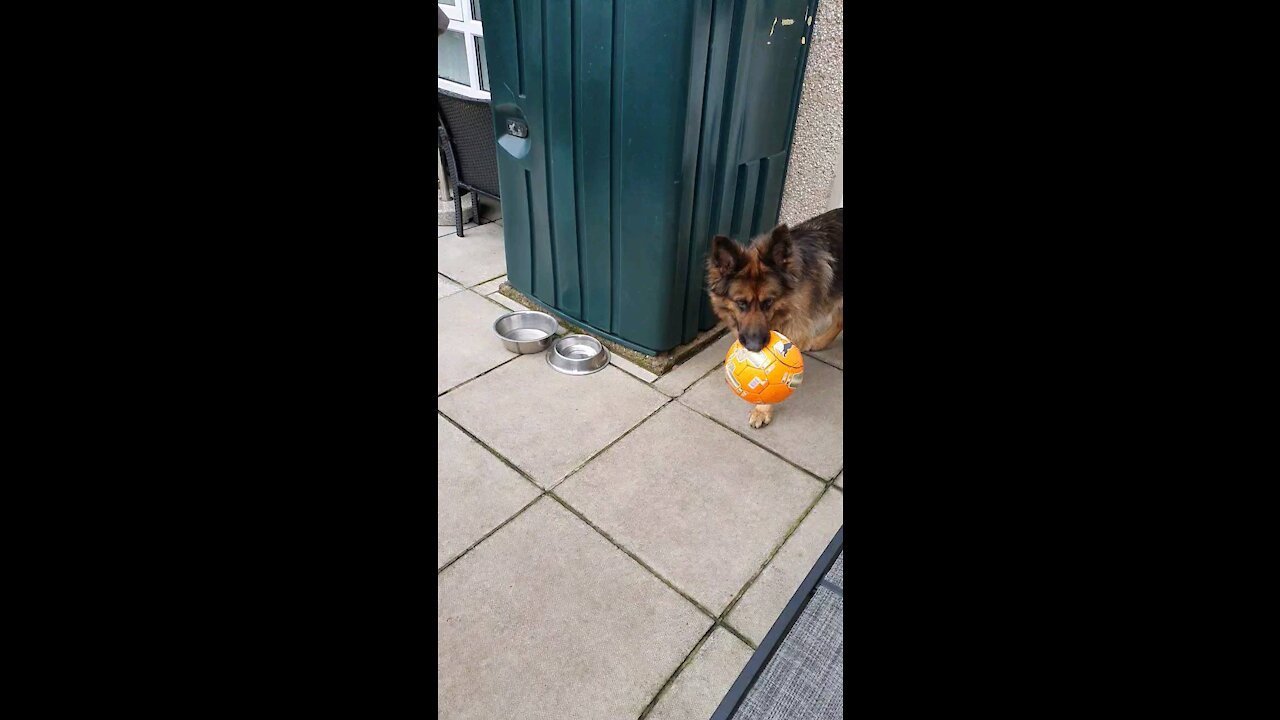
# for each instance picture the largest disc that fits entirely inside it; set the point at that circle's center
(817, 147)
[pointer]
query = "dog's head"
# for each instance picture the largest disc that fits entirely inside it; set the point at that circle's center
(751, 288)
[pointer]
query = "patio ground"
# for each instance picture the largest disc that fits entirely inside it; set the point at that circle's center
(611, 546)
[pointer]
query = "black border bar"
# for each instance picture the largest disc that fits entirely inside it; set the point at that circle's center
(738, 692)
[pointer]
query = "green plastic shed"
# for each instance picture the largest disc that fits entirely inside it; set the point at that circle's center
(630, 133)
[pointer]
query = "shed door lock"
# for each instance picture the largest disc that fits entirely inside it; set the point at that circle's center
(517, 128)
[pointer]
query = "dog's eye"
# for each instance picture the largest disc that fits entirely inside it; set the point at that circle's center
(742, 305)
(766, 304)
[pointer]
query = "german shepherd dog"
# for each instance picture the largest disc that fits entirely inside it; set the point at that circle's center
(791, 280)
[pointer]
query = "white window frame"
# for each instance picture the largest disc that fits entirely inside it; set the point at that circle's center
(460, 21)
(454, 12)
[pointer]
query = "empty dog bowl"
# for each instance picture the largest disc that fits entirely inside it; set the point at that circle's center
(577, 355)
(526, 332)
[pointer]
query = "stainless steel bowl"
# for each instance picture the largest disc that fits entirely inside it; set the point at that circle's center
(526, 332)
(577, 355)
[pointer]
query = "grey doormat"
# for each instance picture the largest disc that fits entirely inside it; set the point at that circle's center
(798, 671)
(804, 679)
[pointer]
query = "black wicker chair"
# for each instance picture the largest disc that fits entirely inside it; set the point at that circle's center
(471, 157)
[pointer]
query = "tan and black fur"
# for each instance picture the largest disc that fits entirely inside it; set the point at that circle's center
(791, 280)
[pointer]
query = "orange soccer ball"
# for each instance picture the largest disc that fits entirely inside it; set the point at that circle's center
(764, 377)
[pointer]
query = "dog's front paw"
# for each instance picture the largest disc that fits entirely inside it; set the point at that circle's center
(760, 416)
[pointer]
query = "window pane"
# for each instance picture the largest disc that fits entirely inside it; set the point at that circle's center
(451, 55)
(484, 64)
(475, 10)
(453, 3)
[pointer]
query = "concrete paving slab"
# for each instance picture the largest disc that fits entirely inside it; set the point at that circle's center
(466, 345)
(833, 353)
(451, 229)
(764, 601)
(631, 368)
(446, 287)
(807, 429)
(474, 258)
(475, 492)
(500, 298)
(700, 505)
(490, 287)
(698, 690)
(545, 422)
(546, 620)
(678, 380)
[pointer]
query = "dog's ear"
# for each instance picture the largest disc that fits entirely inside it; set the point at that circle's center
(776, 250)
(725, 259)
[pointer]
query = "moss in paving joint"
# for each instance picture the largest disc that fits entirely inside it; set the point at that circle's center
(486, 446)
(737, 633)
(486, 536)
(513, 358)
(685, 663)
(688, 660)
(631, 555)
(613, 442)
(792, 531)
(659, 364)
(495, 277)
(748, 438)
(541, 490)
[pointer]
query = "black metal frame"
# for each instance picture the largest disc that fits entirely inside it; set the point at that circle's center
(457, 188)
(738, 692)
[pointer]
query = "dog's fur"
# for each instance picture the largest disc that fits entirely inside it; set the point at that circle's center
(791, 280)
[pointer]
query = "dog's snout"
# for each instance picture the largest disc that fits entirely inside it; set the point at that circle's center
(753, 341)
